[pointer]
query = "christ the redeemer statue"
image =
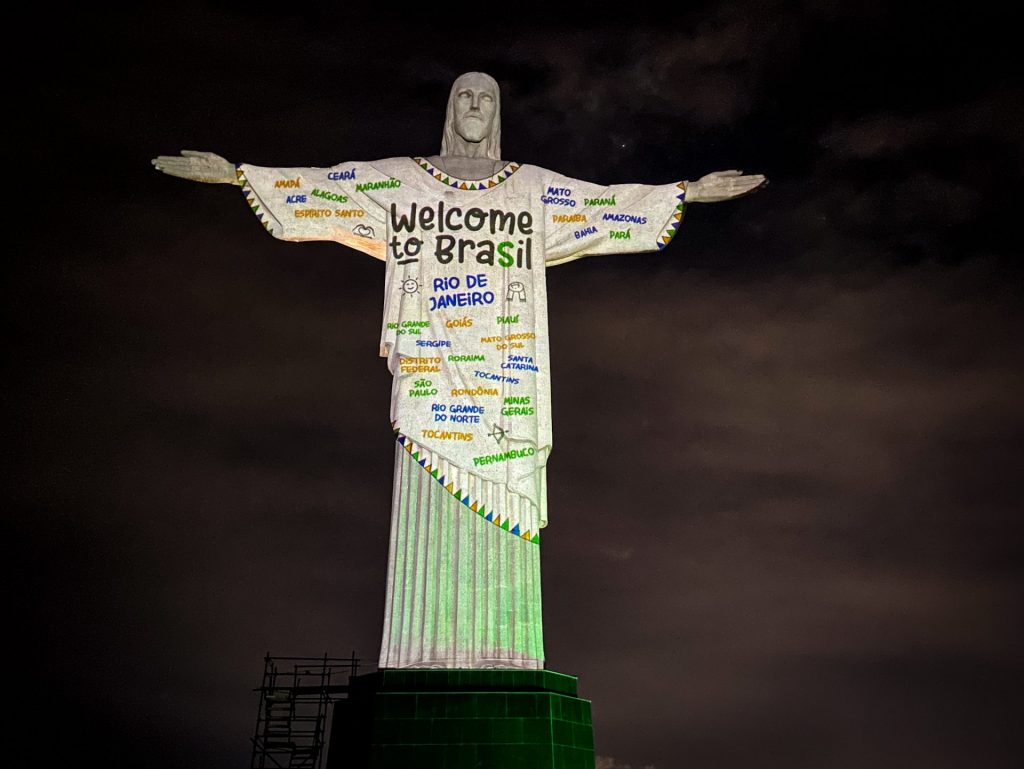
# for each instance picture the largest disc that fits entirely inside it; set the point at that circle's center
(466, 238)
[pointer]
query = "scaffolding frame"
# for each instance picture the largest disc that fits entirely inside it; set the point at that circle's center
(292, 714)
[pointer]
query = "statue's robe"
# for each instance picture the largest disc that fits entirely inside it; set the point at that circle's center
(466, 339)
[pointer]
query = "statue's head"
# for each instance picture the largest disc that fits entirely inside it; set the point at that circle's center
(474, 117)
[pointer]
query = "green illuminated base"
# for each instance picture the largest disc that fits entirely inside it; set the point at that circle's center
(462, 719)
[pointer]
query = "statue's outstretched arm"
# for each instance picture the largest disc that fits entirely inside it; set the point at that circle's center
(198, 166)
(301, 204)
(628, 218)
(723, 185)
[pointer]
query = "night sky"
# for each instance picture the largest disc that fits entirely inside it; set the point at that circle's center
(785, 488)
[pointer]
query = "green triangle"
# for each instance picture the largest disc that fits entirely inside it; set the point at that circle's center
(434, 473)
(415, 455)
(536, 539)
(504, 524)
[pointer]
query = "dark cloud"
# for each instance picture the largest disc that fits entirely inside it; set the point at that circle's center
(809, 553)
(992, 118)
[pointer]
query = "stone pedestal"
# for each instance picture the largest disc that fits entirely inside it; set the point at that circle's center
(462, 719)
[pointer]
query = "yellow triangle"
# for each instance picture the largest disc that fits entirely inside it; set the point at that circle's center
(450, 488)
(428, 468)
(678, 217)
(525, 536)
(666, 239)
(463, 186)
(497, 521)
(408, 447)
(473, 507)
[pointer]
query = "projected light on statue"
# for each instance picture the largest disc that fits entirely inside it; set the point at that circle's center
(466, 238)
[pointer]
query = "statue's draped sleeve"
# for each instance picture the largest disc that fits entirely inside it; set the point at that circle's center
(585, 219)
(345, 203)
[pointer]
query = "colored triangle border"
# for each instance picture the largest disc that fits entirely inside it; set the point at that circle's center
(475, 505)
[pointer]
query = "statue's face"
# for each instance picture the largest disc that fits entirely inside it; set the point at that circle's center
(475, 104)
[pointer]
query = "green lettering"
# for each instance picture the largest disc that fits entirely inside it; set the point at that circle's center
(505, 259)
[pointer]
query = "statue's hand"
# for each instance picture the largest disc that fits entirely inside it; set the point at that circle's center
(723, 185)
(198, 166)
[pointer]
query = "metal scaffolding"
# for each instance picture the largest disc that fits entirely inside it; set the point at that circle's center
(292, 715)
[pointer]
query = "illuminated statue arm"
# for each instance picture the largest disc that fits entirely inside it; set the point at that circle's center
(198, 167)
(723, 185)
(301, 204)
(587, 219)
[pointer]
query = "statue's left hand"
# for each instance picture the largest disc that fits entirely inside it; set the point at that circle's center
(723, 185)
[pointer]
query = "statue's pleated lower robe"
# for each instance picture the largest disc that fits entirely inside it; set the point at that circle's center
(462, 592)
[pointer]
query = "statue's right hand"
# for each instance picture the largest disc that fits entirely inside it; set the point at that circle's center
(198, 166)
